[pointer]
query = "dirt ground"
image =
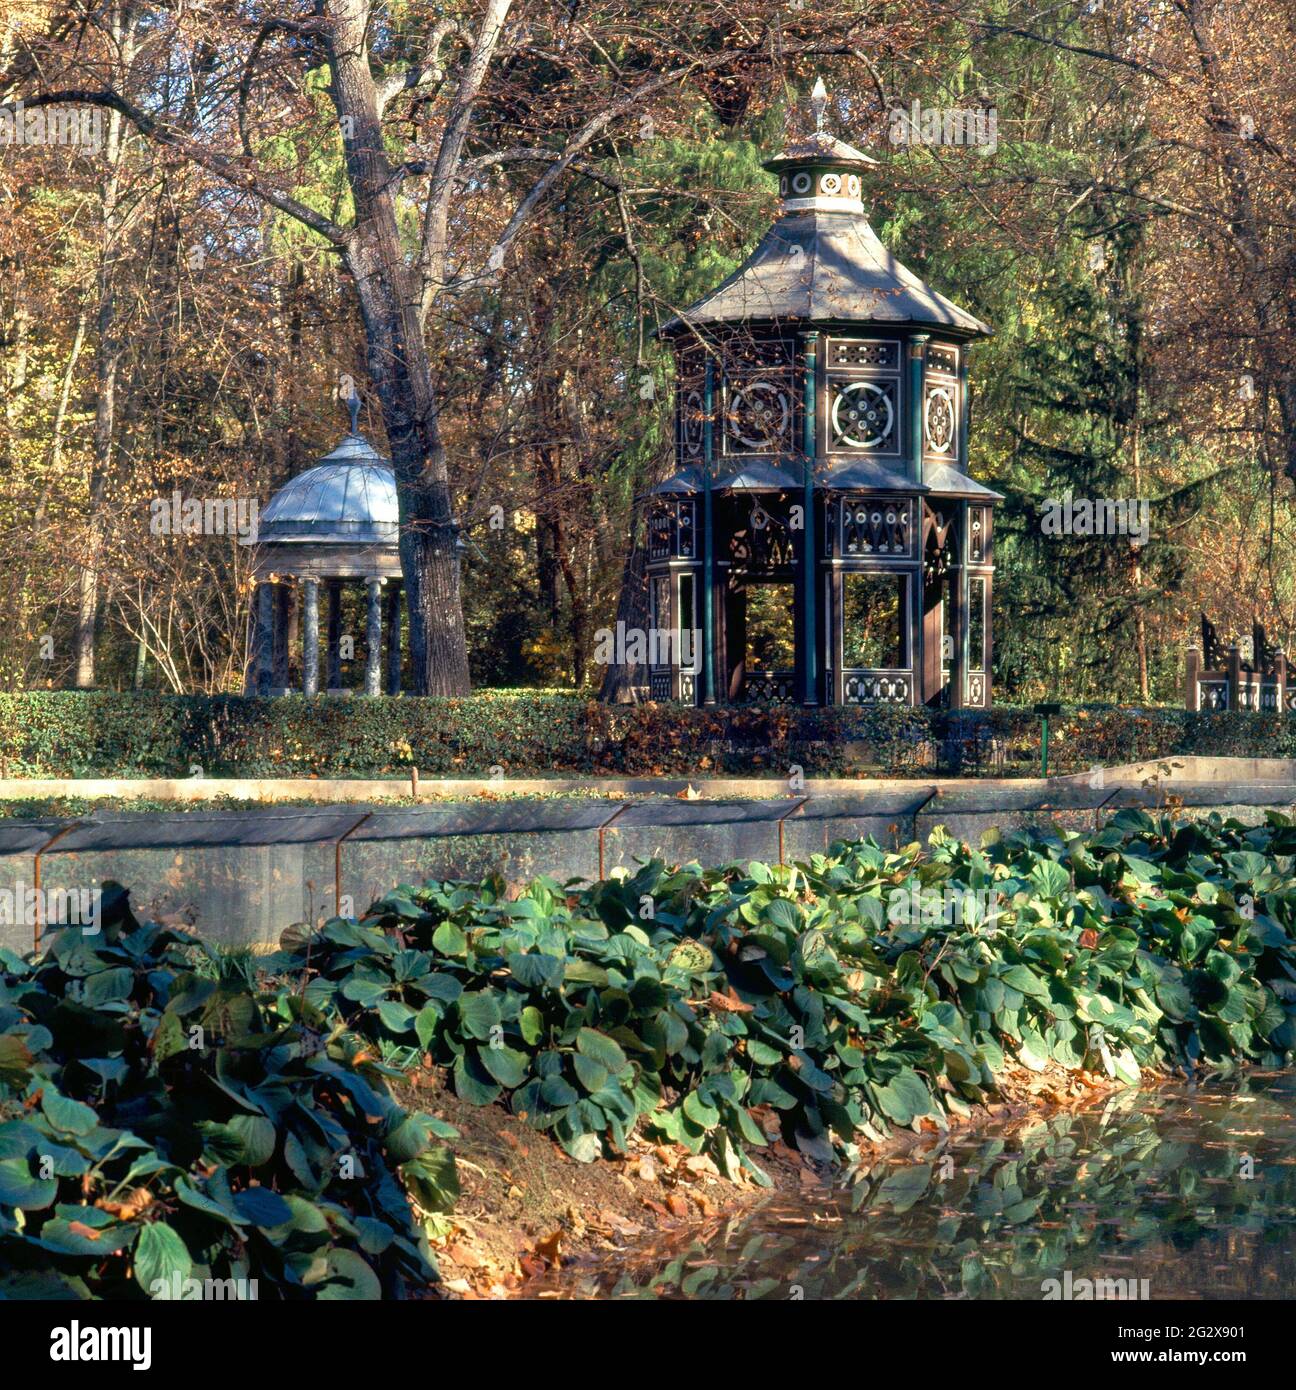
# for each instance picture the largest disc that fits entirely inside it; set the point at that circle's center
(527, 1210)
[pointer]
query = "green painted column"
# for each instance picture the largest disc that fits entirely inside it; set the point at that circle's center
(917, 355)
(708, 550)
(957, 622)
(965, 409)
(809, 607)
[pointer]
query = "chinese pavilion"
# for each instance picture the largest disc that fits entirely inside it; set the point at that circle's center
(822, 537)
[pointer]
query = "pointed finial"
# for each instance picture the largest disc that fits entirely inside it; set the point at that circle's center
(819, 102)
(350, 398)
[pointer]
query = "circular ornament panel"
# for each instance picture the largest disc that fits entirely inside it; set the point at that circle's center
(862, 415)
(940, 420)
(692, 421)
(760, 413)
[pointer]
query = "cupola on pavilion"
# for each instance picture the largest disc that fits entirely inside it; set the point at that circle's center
(335, 524)
(822, 534)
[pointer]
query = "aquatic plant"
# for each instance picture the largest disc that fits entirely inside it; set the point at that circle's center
(170, 1120)
(857, 992)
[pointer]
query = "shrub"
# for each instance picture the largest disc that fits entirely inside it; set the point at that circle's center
(838, 997)
(78, 734)
(167, 1115)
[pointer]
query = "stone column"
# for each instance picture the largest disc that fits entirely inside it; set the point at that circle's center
(373, 656)
(310, 638)
(263, 658)
(283, 596)
(334, 662)
(393, 638)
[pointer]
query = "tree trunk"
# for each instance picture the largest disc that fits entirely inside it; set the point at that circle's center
(107, 364)
(621, 683)
(1140, 614)
(401, 372)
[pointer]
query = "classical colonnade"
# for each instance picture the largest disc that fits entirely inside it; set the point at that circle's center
(286, 611)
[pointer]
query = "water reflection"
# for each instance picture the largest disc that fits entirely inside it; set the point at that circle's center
(1192, 1190)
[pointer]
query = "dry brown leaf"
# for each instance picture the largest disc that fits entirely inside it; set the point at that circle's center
(728, 1003)
(136, 1201)
(547, 1248)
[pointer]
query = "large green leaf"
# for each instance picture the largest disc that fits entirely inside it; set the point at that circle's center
(601, 1049)
(21, 1188)
(161, 1260)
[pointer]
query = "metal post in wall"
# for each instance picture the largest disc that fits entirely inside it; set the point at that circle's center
(37, 926)
(801, 801)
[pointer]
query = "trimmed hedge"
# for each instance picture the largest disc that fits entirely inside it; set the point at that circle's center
(99, 734)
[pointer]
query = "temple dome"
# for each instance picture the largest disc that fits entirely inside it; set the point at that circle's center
(348, 497)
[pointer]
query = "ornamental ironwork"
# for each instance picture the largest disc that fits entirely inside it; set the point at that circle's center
(692, 416)
(940, 420)
(942, 361)
(769, 688)
(1214, 695)
(875, 527)
(938, 543)
(758, 418)
(882, 354)
(765, 542)
(863, 414)
(876, 687)
(660, 533)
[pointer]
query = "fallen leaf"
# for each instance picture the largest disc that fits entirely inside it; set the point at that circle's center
(728, 1003)
(547, 1248)
(136, 1201)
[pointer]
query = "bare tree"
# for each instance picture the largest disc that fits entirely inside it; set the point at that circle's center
(461, 68)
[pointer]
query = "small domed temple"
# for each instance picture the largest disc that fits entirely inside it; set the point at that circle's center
(822, 536)
(335, 524)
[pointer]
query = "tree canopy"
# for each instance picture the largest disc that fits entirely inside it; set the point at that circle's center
(185, 284)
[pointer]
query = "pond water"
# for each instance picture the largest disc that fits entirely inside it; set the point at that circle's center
(1192, 1190)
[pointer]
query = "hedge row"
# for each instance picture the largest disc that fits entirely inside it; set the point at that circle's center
(71, 734)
